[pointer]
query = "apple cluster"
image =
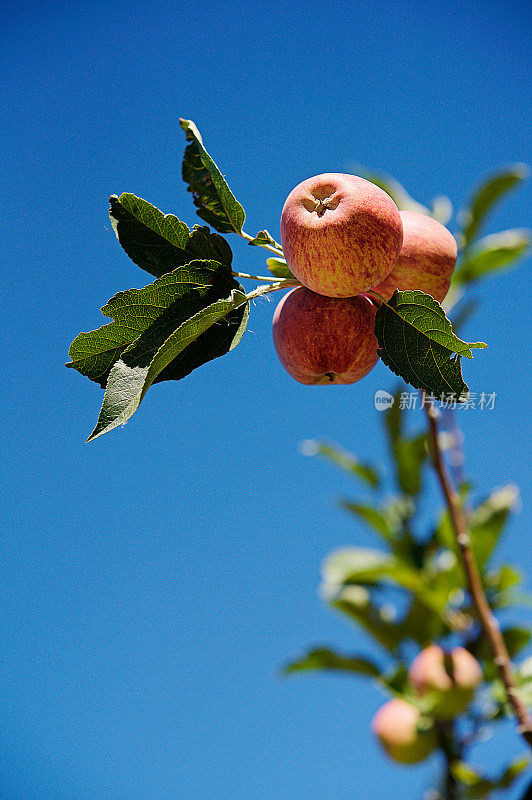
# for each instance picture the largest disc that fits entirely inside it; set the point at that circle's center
(341, 236)
(446, 683)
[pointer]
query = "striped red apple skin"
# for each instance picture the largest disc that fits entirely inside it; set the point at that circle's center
(426, 261)
(340, 234)
(325, 340)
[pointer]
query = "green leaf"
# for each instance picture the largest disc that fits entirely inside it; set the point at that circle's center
(410, 455)
(135, 310)
(159, 243)
(485, 198)
(386, 520)
(213, 198)
(342, 459)
(182, 320)
(490, 254)
(363, 566)
(478, 787)
(375, 518)
(264, 239)
(487, 521)
(358, 603)
(417, 343)
(442, 208)
(325, 659)
(279, 268)
(513, 771)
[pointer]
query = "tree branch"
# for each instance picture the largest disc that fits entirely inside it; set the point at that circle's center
(489, 623)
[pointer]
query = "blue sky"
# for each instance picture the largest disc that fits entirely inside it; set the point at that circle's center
(155, 580)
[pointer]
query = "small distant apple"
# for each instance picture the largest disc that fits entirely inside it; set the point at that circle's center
(448, 681)
(426, 261)
(397, 726)
(340, 234)
(325, 340)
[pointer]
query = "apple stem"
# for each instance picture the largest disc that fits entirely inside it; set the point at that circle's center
(488, 621)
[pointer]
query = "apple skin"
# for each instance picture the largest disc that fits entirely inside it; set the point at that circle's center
(448, 682)
(340, 234)
(325, 340)
(395, 725)
(426, 261)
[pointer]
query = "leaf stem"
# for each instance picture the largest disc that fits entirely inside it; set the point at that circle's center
(272, 287)
(489, 623)
(255, 277)
(249, 238)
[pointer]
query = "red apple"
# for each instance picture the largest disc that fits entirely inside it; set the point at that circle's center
(426, 261)
(397, 726)
(340, 234)
(448, 681)
(324, 340)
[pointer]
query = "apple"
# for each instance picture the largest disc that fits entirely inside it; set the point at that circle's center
(340, 234)
(397, 726)
(325, 340)
(426, 261)
(448, 681)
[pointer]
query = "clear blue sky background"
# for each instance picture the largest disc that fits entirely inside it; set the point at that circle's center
(154, 581)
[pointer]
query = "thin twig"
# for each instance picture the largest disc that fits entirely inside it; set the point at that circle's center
(489, 623)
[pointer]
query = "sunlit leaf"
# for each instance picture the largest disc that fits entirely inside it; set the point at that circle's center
(279, 268)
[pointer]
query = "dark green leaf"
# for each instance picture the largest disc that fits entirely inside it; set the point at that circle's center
(325, 659)
(135, 310)
(182, 320)
(263, 238)
(513, 771)
(160, 242)
(346, 461)
(147, 358)
(488, 193)
(279, 268)
(417, 343)
(491, 254)
(213, 198)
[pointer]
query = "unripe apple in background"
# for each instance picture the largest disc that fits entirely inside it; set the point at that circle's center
(397, 726)
(324, 340)
(426, 261)
(340, 234)
(447, 680)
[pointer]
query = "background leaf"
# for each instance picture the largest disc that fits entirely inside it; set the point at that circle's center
(490, 254)
(346, 461)
(213, 198)
(264, 238)
(324, 659)
(483, 201)
(159, 243)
